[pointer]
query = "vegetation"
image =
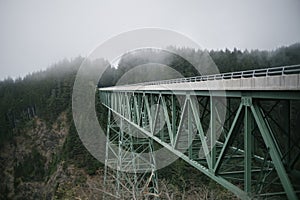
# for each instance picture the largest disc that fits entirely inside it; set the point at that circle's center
(44, 94)
(32, 168)
(47, 94)
(74, 152)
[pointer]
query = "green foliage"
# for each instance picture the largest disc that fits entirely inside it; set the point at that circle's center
(32, 168)
(236, 60)
(181, 174)
(75, 153)
(4, 191)
(225, 60)
(56, 158)
(46, 94)
(146, 56)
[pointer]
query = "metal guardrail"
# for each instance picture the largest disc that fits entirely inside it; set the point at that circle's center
(275, 71)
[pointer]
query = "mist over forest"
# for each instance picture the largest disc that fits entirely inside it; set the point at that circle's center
(45, 95)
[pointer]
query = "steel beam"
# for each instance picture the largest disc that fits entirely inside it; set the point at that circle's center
(225, 157)
(273, 152)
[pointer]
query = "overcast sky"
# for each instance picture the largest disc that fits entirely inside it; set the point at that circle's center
(35, 34)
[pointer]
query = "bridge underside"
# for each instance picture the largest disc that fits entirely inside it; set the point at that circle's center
(246, 141)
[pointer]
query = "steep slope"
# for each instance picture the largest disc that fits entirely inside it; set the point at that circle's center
(41, 155)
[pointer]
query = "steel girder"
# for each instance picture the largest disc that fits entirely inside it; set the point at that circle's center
(233, 139)
(127, 174)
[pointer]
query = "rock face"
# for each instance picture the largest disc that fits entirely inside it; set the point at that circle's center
(29, 168)
(25, 161)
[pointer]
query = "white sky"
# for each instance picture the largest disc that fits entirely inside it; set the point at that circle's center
(35, 34)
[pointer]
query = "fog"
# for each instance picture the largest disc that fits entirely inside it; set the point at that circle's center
(35, 34)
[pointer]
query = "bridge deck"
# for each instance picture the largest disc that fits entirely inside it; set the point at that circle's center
(286, 82)
(245, 142)
(278, 78)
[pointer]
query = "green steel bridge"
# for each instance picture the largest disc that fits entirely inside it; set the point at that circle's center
(240, 129)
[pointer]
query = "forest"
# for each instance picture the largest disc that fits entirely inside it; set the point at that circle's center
(46, 94)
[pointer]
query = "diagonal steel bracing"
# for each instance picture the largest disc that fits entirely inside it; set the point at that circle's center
(127, 174)
(232, 139)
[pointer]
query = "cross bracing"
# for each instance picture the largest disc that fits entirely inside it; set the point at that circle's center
(245, 140)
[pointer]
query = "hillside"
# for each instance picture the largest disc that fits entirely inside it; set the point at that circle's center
(41, 154)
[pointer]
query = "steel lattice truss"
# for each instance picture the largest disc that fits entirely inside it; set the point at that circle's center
(246, 141)
(127, 174)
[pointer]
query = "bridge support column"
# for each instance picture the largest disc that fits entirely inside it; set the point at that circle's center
(251, 152)
(247, 102)
(273, 150)
(130, 168)
(212, 132)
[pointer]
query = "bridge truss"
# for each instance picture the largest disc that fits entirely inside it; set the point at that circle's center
(247, 141)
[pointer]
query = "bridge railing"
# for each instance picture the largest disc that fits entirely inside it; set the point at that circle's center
(275, 71)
